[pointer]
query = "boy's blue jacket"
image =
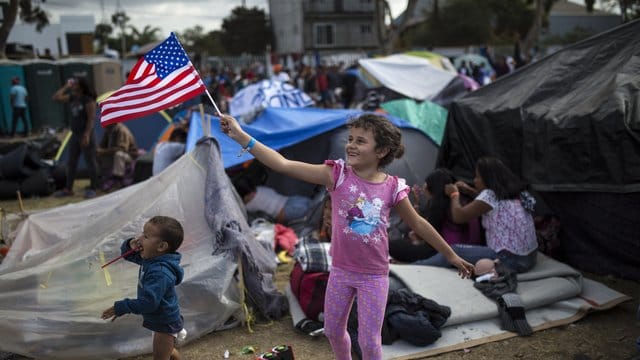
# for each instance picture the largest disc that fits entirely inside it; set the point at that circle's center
(157, 301)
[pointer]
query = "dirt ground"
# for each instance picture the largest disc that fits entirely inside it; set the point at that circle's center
(602, 335)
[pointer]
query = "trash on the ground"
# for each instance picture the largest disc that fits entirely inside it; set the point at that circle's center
(249, 349)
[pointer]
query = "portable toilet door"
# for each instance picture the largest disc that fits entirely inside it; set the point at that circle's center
(42, 79)
(107, 74)
(9, 70)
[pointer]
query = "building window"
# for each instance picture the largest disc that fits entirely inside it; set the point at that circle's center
(324, 34)
(365, 28)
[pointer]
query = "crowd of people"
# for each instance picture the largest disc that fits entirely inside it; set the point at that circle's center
(330, 86)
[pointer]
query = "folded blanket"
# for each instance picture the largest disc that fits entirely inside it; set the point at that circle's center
(313, 255)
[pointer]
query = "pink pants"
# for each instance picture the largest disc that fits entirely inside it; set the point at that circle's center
(372, 301)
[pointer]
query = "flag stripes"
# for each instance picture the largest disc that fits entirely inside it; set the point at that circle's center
(162, 78)
(148, 93)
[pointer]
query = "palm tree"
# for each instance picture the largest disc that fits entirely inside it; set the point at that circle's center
(120, 19)
(147, 35)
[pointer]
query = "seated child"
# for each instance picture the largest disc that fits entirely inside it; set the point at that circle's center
(281, 208)
(157, 300)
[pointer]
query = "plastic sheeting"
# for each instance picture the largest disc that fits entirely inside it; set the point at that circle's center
(429, 117)
(568, 122)
(409, 75)
(53, 290)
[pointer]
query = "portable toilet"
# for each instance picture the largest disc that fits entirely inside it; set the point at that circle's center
(107, 75)
(9, 70)
(42, 79)
(78, 68)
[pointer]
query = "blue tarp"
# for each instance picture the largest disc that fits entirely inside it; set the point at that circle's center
(277, 128)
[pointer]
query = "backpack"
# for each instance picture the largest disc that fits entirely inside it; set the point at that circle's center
(309, 288)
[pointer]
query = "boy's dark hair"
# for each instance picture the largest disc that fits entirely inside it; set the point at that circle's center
(170, 231)
(497, 177)
(385, 134)
(244, 186)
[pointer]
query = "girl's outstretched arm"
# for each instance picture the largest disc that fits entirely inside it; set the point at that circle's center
(312, 173)
(425, 231)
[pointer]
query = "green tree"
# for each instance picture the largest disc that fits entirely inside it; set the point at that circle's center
(147, 35)
(101, 34)
(449, 27)
(120, 20)
(28, 13)
(393, 35)
(629, 9)
(195, 40)
(246, 30)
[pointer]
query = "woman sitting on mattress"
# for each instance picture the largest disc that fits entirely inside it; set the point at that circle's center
(506, 210)
(437, 210)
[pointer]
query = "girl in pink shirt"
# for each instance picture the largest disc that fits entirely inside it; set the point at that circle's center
(362, 195)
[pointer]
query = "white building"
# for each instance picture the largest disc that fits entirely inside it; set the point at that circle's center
(72, 36)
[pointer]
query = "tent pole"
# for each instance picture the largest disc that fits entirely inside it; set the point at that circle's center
(203, 121)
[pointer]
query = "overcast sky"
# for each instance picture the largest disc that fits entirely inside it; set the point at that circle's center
(168, 15)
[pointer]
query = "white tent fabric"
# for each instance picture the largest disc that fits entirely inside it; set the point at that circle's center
(53, 289)
(409, 75)
(248, 102)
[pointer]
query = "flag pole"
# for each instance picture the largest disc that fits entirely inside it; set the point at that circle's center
(213, 102)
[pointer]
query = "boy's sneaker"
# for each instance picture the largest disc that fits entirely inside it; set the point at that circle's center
(90, 194)
(63, 193)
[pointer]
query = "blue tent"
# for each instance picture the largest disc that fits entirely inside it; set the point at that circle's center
(277, 128)
(313, 135)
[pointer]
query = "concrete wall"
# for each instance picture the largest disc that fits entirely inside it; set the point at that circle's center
(286, 21)
(53, 36)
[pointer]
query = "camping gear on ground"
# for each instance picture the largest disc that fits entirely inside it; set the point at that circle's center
(501, 287)
(553, 294)
(21, 169)
(570, 127)
(512, 317)
(413, 318)
(53, 287)
(313, 255)
(309, 288)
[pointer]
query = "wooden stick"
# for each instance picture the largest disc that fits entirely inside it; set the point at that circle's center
(20, 204)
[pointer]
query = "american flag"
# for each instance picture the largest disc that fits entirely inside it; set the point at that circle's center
(164, 77)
